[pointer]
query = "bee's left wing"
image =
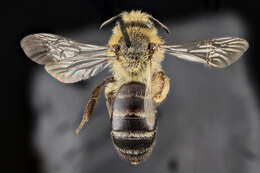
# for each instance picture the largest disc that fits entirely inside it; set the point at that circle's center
(66, 60)
(218, 52)
(149, 108)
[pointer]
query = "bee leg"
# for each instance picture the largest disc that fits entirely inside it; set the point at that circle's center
(110, 99)
(110, 93)
(91, 103)
(160, 87)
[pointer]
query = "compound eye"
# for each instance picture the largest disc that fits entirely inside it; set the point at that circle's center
(116, 48)
(151, 46)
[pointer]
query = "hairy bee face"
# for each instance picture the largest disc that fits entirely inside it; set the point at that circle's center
(138, 48)
(133, 57)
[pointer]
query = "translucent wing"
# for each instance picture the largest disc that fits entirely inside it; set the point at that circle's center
(218, 52)
(148, 101)
(66, 60)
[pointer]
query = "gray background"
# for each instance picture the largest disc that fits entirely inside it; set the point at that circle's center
(208, 123)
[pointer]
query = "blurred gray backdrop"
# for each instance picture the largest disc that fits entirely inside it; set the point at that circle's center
(208, 124)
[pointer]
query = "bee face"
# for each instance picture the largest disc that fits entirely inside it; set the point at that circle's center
(138, 48)
(133, 57)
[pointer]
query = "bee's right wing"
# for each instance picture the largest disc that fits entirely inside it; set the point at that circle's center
(66, 60)
(218, 52)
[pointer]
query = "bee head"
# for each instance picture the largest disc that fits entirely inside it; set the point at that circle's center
(139, 46)
(133, 44)
(128, 39)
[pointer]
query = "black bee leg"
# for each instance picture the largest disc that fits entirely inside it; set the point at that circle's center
(91, 103)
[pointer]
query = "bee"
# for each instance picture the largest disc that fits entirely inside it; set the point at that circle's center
(138, 83)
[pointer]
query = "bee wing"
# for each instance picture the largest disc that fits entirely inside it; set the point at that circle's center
(218, 52)
(148, 100)
(66, 60)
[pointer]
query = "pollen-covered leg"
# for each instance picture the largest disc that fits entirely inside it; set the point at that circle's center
(92, 101)
(110, 93)
(160, 86)
(110, 98)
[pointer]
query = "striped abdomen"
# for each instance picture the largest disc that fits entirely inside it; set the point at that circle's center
(133, 136)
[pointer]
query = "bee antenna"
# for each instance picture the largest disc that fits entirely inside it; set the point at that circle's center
(110, 20)
(160, 24)
(121, 25)
(124, 32)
